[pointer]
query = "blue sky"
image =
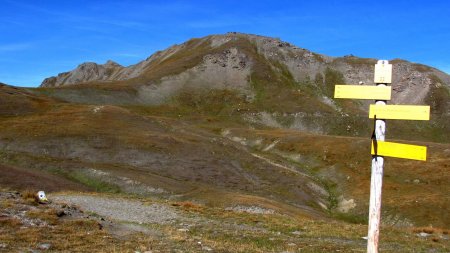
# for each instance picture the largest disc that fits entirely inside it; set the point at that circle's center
(39, 39)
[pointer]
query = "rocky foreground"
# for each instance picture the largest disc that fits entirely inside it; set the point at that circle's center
(105, 223)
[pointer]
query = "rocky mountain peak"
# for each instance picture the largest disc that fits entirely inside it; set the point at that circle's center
(238, 61)
(85, 72)
(111, 63)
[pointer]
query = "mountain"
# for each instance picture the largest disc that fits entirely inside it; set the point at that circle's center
(228, 61)
(268, 82)
(230, 121)
(85, 72)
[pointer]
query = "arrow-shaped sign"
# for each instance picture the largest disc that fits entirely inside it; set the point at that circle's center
(399, 150)
(405, 112)
(362, 92)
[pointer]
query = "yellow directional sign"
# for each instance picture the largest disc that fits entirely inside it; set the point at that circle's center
(399, 150)
(362, 92)
(406, 112)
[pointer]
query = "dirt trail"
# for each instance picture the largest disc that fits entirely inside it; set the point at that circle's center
(123, 210)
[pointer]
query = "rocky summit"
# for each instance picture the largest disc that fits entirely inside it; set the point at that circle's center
(226, 143)
(230, 60)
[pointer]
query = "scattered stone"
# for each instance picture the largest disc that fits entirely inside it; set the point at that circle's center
(345, 205)
(206, 248)
(416, 181)
(44, 246)
(60, 213)
(3, 245)
(250, 209)
(296, 232)
(292, 244)
(423, 234)
(183, 230)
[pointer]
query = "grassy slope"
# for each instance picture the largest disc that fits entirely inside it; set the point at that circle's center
(68, 128)
(412, 190)
(69, 140)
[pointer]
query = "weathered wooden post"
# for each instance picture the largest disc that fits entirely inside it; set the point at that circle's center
(380, 111)
(382, 76)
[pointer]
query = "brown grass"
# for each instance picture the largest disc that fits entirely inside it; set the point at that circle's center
(189, 206)
(31, 180)
(10, 222)
(344, 164)
(430, 230)
(47, 215)
(30, 197)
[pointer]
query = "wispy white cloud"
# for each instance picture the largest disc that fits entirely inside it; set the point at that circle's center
(15, 47)
(84, 21)
(217, 23)
(128, 55)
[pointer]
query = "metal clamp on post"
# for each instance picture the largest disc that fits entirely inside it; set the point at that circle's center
(374, 138)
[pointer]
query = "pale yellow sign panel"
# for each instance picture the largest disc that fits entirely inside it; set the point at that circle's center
(405, 112)
(362, 92)
(399, 150)
(383, 73)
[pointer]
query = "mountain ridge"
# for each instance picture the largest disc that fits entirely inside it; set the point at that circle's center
(411, 82)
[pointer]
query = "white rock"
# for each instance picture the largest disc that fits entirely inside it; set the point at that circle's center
(423, 234)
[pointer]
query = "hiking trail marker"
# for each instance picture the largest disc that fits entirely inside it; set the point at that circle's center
(406, 112)
(362, 92)
(380, 112)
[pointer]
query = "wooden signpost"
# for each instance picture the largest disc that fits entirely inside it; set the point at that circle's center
(380, 148)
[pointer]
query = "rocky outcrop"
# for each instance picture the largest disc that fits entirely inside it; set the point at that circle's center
(85, 72)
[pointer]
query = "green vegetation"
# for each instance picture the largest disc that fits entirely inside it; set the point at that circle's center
(332, 77)
(421, 67)
(356, 61)
(438, 96)
(96, 184)
(212, 102)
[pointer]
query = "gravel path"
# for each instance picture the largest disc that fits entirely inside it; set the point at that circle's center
(121, 209)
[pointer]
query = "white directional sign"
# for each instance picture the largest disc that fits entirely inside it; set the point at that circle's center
(383, 72)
